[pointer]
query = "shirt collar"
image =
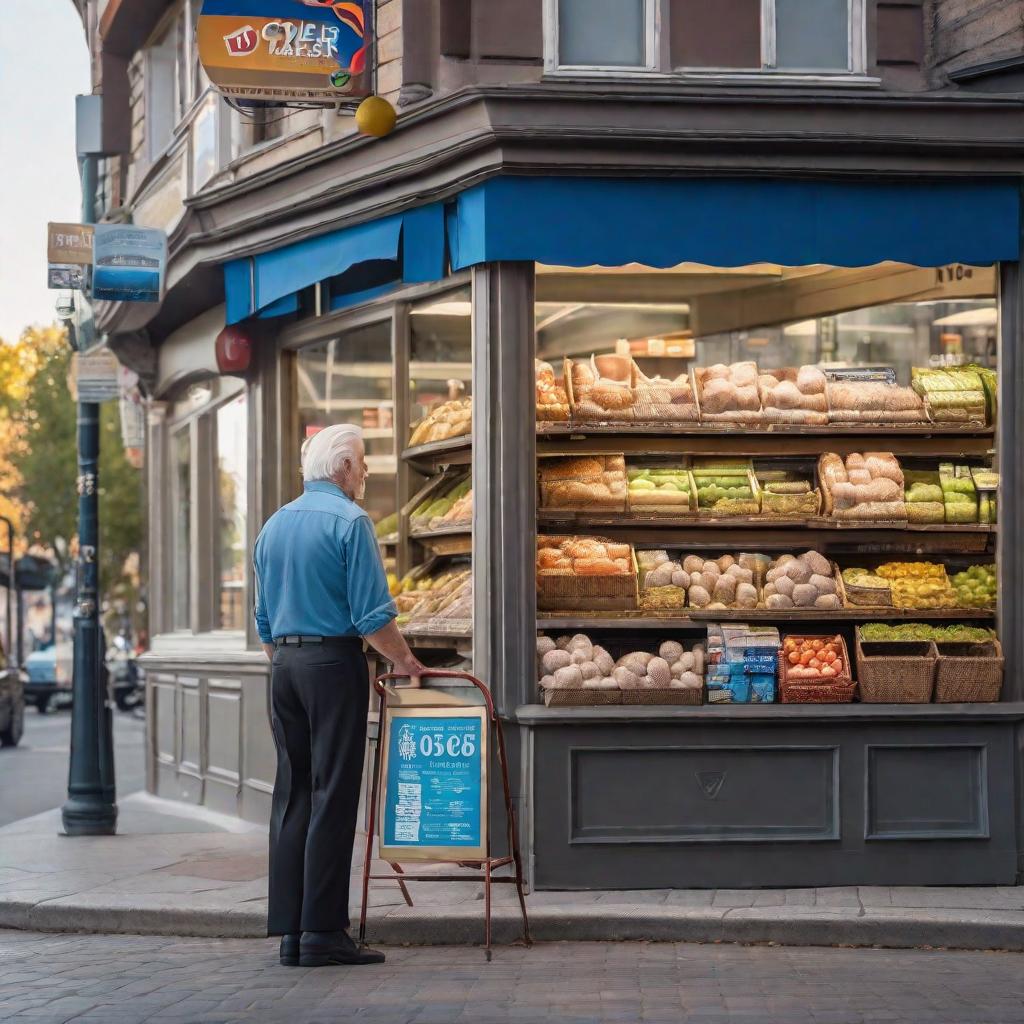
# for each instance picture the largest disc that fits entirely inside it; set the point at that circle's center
(326, 487)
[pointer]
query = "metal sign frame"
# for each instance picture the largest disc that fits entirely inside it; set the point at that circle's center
(465, 858)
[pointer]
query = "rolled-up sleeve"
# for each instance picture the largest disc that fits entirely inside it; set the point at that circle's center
(368, 595)
(261, 615)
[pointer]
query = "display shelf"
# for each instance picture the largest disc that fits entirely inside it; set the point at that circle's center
(771, 534)
(388, 540)
(695, 619)
(455, 530)
(453, 451)
(762, 440)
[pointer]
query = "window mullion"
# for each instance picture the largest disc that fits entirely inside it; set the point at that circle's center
(769, 45)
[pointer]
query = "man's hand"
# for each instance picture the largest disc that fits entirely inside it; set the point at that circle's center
(268, 650)
(413, 668)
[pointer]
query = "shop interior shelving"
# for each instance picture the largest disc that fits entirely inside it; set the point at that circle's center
(764, 532)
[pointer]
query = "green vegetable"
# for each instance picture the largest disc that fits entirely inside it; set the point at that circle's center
(911, 631)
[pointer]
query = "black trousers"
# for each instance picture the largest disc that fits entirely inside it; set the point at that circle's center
(319, 699)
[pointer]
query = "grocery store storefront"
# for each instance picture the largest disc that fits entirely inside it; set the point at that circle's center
(725, 374)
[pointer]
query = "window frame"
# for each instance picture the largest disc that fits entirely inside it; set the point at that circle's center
(652, 35)
(659, 62)
(198, 422)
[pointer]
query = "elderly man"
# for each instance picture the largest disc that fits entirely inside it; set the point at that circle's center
(321, 588)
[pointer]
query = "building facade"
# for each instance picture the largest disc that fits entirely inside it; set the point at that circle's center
(427, 265)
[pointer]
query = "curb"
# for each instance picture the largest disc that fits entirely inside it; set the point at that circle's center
(908, 929)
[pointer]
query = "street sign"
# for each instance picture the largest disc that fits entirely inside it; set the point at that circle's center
(288, 51)
(96, 376)
(128, 263)
(434, 784)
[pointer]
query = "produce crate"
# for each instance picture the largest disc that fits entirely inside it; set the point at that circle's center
(584, 410)
(969, 673)
(895, 672)
(663, 401)
(576, 493)
(837, 690)
(639, 506)
(745, 418)
(729, 508)
(581, 698)
(563, 591)
(675, 695)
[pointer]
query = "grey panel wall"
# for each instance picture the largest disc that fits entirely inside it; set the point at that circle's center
(773, 804)
(210, 739)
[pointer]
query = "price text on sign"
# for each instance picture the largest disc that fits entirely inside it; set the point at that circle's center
(434, 792)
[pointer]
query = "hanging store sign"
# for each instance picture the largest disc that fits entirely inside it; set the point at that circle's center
(434, 784)
(96, 376)
(128, 263)
(288, 51)
(68, 255)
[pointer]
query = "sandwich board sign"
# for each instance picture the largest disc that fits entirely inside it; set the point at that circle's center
(288, 51)
(433, 797)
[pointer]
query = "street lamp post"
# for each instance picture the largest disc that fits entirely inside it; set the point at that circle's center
(90, 808)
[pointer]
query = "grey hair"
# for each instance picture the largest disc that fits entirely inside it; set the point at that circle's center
(325, 453)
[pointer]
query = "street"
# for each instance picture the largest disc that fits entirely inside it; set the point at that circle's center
(52, 979)
(35, 773)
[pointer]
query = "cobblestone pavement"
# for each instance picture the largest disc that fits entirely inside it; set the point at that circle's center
(52, 979)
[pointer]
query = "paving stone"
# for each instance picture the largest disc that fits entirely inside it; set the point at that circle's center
(220, 982)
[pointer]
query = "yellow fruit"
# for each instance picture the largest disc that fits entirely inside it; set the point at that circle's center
(376, 117)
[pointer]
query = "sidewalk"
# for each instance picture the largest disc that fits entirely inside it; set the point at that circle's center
(178, 871)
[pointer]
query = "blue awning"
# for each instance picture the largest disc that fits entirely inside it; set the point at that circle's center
(268, 284)
(580, 222)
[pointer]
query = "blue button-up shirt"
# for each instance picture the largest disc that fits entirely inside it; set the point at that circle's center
(318, 569)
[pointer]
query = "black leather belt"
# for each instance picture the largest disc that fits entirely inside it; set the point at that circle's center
(315, 641)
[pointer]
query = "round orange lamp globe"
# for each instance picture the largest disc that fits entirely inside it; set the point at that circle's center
(376, 117)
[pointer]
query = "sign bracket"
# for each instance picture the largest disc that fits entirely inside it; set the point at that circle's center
(488, 863)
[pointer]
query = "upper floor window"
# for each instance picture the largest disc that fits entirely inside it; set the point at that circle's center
(605, 33)
(794, 37)
(173, 79)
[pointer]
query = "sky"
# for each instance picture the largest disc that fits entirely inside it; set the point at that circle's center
(41, 72)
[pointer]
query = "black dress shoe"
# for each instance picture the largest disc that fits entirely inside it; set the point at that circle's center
(290, 950)
(321, 949)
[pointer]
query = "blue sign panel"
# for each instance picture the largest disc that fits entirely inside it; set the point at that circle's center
(128, 263)
(433, 791)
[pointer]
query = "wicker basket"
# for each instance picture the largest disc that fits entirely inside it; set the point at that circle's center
(672, 696)
(818, 693)
(570, 593)
(895, 672)
(853, 596)
(839, 690)
(580, 698)
(969, 673)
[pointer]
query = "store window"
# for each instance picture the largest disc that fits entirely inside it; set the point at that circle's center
(761, 484)
(349, 379)
(232, 453)
(181, 543)
(440, 355)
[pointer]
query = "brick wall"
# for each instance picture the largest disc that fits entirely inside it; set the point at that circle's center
(969, 32)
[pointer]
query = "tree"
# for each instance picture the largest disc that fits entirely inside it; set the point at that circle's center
(48, 463)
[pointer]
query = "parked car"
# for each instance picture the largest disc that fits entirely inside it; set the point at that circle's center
(12, 702)
(49, 675)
